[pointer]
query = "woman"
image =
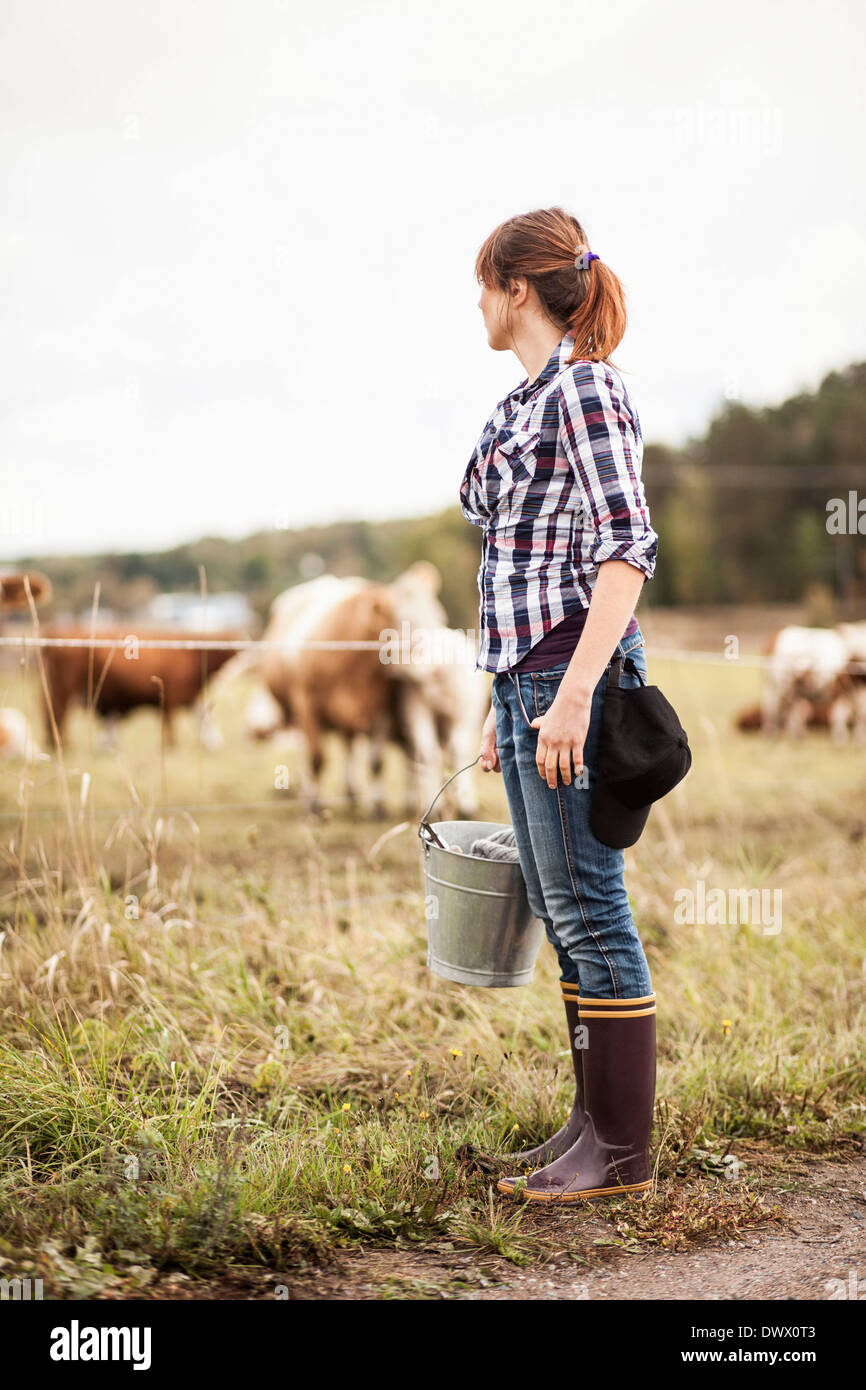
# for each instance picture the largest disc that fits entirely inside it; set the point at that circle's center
(555, 482)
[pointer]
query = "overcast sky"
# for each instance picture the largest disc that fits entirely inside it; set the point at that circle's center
(239, 236)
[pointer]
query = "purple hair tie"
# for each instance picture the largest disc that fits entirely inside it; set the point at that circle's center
(583, 258)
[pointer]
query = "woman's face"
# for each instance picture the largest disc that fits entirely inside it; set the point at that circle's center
(493, 304)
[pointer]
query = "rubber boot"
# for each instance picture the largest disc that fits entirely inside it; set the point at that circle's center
(611, 1155)
(563, 1139)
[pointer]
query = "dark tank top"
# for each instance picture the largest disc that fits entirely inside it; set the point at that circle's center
(558, 645)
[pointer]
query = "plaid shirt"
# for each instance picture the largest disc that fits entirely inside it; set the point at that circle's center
(555, 482)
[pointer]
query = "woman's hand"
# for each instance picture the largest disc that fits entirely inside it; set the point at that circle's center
(489, 752)
(561, 736)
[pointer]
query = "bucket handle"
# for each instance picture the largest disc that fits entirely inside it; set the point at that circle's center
(423, 823)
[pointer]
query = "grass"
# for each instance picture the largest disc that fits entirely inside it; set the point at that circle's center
(222, 1051)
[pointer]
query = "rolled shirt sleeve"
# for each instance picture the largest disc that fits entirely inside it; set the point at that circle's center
(600, 436)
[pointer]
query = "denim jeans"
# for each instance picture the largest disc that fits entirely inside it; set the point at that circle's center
(574, 883)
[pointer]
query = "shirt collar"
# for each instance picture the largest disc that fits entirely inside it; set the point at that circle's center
(555, 363)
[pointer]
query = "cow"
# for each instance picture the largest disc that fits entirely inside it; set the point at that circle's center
(16, 735)
(348, 692)
(803, 666)
(369, 697)
(815, 677)
(116, 681)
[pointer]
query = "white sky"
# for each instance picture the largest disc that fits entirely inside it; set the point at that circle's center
(238, 238)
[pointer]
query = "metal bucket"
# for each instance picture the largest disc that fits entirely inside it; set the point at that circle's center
(480, 928)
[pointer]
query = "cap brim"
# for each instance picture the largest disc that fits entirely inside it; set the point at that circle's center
(614, 824)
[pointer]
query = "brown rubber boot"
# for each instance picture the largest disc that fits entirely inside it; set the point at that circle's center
(611, 1156)
(563, 1139)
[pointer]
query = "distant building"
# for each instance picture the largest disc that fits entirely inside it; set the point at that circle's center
(216, 612)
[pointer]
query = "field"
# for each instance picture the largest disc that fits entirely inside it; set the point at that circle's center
(226, 1071)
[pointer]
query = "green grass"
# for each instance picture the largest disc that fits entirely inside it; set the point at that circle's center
(222, 1051)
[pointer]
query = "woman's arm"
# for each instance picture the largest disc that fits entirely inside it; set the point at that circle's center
(616, 592)
(562, 730)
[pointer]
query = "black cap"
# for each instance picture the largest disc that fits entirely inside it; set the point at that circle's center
(643, 753)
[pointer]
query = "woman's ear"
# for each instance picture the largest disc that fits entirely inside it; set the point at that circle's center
(518, 291)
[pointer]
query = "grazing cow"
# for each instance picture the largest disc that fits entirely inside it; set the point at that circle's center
(16, 735)
(815, 678)
(348, 692)
(803, 668)
(368, 697)
(119, 680)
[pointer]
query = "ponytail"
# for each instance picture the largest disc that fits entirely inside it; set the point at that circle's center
(598, 322)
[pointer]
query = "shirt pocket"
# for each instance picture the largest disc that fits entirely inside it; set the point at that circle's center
(515, 445)
(512, 463)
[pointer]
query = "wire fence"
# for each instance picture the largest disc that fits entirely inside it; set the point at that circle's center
(189, 644)
(400, 654)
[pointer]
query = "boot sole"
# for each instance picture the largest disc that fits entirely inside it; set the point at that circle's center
(583, 1196)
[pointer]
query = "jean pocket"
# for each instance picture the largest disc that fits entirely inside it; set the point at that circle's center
(545, 685)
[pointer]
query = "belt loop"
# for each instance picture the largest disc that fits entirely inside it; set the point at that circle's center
(619, 662)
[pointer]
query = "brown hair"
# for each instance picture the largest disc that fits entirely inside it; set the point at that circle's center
(542, 246)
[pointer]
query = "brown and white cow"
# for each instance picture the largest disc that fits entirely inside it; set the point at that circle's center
(116, 681)
(399, 693)
(815, 678)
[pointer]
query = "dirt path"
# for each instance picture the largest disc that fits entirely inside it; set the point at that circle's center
(824, 1203)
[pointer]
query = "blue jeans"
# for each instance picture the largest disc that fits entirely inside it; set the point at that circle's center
(574, 883)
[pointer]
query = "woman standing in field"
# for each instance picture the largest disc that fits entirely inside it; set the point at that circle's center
(555, 482)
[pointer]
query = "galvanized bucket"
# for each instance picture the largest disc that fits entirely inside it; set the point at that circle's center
(480, 928)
